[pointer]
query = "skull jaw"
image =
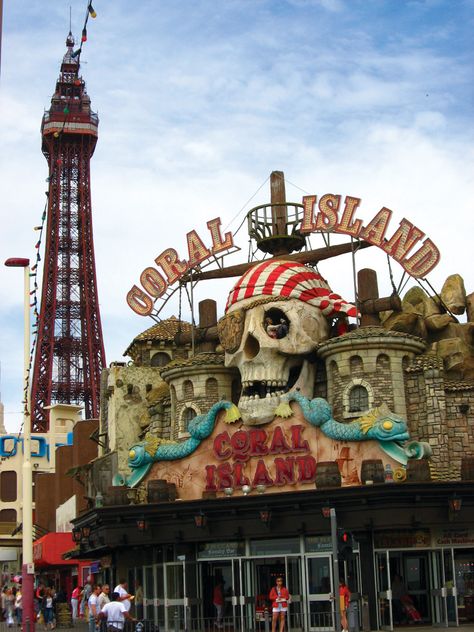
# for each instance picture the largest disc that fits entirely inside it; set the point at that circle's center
(257, 411)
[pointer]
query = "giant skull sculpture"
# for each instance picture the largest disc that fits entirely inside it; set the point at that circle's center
(276, 315)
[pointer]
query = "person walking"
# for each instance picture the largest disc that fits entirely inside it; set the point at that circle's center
(344, 598)
(9, 607)
(125, 596)
(86, 593)
(138, 600)
(47, 609)
(104, 598)
(93, 606)
(218, 601)
(115, 613)
(75, 599)
(280, 596)
(18, 606)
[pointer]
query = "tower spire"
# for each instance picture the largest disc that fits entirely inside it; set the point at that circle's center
(69, 351)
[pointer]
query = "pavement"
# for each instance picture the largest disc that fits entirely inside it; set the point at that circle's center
(81, 626)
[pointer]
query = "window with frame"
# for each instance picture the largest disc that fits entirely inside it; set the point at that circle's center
(358, 399)
(188, 415)
(160, 359)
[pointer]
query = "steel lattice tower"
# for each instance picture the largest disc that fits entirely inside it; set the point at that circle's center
(70, 350)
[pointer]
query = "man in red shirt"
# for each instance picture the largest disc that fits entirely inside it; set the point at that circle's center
(218, 601)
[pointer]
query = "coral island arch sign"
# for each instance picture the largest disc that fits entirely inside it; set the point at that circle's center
(327, 214)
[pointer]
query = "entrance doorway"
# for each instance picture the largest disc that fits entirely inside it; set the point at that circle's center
(432, 587)
(320, 584)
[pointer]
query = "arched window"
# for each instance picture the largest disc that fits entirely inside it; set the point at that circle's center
(8, 486)
(211, 388)
(188, 415)
(358, 399)
(8, 515)
(160, 359)
(188, 390)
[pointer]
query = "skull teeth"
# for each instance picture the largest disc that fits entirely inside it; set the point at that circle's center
(261, 389)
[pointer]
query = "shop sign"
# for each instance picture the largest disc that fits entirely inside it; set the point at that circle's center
(330, 217)
(325, 215)
(211, 550)
(318, 543)
(236, 449)
(402, 539)
(453, 537)
(155, 281)
(275, 546)
(37, 551)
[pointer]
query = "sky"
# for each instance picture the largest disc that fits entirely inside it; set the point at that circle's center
(200, 100)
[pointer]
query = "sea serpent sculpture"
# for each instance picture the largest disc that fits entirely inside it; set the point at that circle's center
(379, 424)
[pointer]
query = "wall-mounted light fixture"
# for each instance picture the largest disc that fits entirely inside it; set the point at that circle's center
(142, 525)
(76, 535)
(85, 532)
(455, 503)
(200, 520)
(463, 409)
(326, 511)
(81, 533)
(265, 516)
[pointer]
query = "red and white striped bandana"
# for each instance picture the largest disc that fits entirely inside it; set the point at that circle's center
(291, 280)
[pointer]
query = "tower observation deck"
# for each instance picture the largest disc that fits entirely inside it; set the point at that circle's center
(70, 350)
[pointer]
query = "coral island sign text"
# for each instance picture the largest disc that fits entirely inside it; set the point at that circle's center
(235, 450)
(325, 215)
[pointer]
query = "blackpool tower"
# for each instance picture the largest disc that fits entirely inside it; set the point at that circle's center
(69, 347)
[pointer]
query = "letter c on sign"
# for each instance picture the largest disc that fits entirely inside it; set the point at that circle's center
(140, 302)
(220, 450)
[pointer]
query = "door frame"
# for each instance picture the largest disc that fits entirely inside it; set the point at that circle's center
(319, 597)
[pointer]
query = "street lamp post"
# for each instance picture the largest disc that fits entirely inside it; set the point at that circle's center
(28, 621)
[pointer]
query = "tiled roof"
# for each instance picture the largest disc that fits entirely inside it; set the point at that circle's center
(425, 361)
(164, 331)
(453, 385)
(198, 360)
(362, 333)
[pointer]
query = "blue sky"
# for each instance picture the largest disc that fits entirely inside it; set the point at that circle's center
(199, 101)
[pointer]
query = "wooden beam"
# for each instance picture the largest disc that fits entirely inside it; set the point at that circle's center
(310, 256)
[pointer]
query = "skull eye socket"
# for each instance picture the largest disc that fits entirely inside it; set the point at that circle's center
(276, 323)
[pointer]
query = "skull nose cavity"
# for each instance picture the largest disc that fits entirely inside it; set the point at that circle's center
(251, 348)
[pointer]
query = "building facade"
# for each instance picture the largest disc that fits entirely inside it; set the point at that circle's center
(232, 455)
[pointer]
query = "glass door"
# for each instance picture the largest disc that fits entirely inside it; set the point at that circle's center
(215, 574)
(443, 593)
(438, 591)
(320, 592)
(464, 583)
(175, 604)
(153, 595)
(450, 587)
(249, 596)
(384, 592)
(294, 585)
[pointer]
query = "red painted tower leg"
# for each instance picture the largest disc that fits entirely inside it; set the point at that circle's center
(70, 350)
